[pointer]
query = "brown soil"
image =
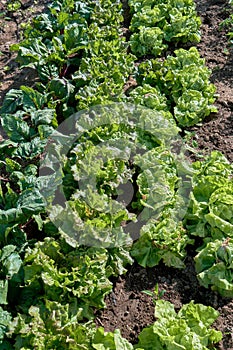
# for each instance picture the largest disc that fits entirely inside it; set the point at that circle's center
(10, 33)
(128, 308)
(217, 132)
(11, 77)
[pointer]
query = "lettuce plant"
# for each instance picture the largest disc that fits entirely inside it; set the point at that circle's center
(214, 266)
(185, 81)
(189, 329)
(148, 41)
(210, 211)
(155, 24)
(209, 216)
(51, 280)
(102, 166)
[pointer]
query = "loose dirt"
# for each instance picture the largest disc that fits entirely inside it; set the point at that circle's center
(127, 308)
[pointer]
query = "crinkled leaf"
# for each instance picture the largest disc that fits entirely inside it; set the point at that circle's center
(110, 341)
(187, 330)
(5, 319)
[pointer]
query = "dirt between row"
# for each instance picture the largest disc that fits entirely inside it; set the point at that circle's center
(127, 308)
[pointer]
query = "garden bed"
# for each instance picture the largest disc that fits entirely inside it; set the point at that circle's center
(127, 308)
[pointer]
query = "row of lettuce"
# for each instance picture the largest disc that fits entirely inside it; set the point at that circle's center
(51, 283)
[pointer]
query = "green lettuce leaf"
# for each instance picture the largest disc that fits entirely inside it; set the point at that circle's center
(51, 326)
(214, 266)
(187, 330)
(5, 320)
(211, 202)
(110, 341)
(81, 273)
(185, 81)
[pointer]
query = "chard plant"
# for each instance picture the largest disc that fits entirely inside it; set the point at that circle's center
(52, 277)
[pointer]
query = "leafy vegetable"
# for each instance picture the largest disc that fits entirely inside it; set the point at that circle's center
(148, 41)
(101, 164)
(150, 97)
(210, 216)
(163, 235)
(51, 326)
(214, 266)
(54, 276)
(161, 239)
(84, 276)
(210, 212)
(189, 329)
(110, 341)
(5, 319)
(184, 80)
(156, 23)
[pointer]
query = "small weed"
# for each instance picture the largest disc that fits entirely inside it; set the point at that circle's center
(228, 24)
(6, 68)
(226, 52)
(156, 294)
